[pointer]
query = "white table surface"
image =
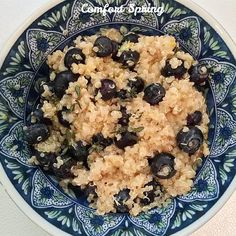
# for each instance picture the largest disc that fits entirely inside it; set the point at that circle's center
(12, 221)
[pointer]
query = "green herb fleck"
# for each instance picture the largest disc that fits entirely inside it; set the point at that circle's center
(72, 108)
(79, 104)
(70, 136)
(137, 130)
(96, 148)
(77, 90)
(64, 151)
(122, 129)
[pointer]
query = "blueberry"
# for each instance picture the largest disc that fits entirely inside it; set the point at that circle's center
(194, 118)
(64, 171)
(129, 58)
(39, 85)
(62, 82)
(108, 89)
(133, 38)
(120, 200)
(104, 46)
(123, 94)
(136, 84)
(190, 140)
(199, 74)
(149, 196)
(127, 139)
(99, 140)
(124, 120)
(154, 93)
(162, 165)
(38, 117)
(79, 151)
(61, 119)
(74, 55)
(122, 208)
(115, 48)
(90, 190)
(168, 71)
(37, 133)
(45, 160)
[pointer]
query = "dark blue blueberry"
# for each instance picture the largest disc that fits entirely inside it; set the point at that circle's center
(38, 117)
(115, 48)
(136, 84)
(127, 139)
(64, 171)
(42, 44)
(37, 133)
(149, 196)
(104, 46)
(79, 151)
(162, 165)
(129, 58)
(99, 140)
(62, 82)
(90, 190)
(47, 192)
(194, 118)
(61, 119)
(154, 93)
(190, 140)
(74, 55)
(123, 94)
(168, 71)
(108, 89)
(39, 83)
(123, 195)
(46, 160)
(121, 198)
(133, 38)
(124, 120)
(199, 74)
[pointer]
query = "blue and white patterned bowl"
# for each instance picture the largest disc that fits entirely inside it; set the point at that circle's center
(38, 195)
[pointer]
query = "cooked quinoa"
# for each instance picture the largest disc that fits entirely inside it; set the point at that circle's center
(118, 176)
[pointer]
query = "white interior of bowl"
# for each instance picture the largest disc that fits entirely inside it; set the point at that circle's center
(20, 202)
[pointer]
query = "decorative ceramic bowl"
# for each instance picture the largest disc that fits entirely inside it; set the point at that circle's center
(39, 195)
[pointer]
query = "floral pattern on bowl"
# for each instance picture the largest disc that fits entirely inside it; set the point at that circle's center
(25, 63)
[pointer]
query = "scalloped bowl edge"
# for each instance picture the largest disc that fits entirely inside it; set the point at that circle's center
(35, 217)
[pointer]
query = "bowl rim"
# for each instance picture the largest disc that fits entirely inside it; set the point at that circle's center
(19, 200)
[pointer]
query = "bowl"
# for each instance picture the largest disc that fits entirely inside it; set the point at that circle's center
(23, 61)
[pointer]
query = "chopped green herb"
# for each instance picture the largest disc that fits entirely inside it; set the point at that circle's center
(122, 129)
(133, 93)
(72, 108)
(64, 151)
(77, 90)
(137, 130)
(79, 104)
(95, 148)
(70, 136)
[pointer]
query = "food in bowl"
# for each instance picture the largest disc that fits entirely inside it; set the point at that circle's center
(121, 120)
